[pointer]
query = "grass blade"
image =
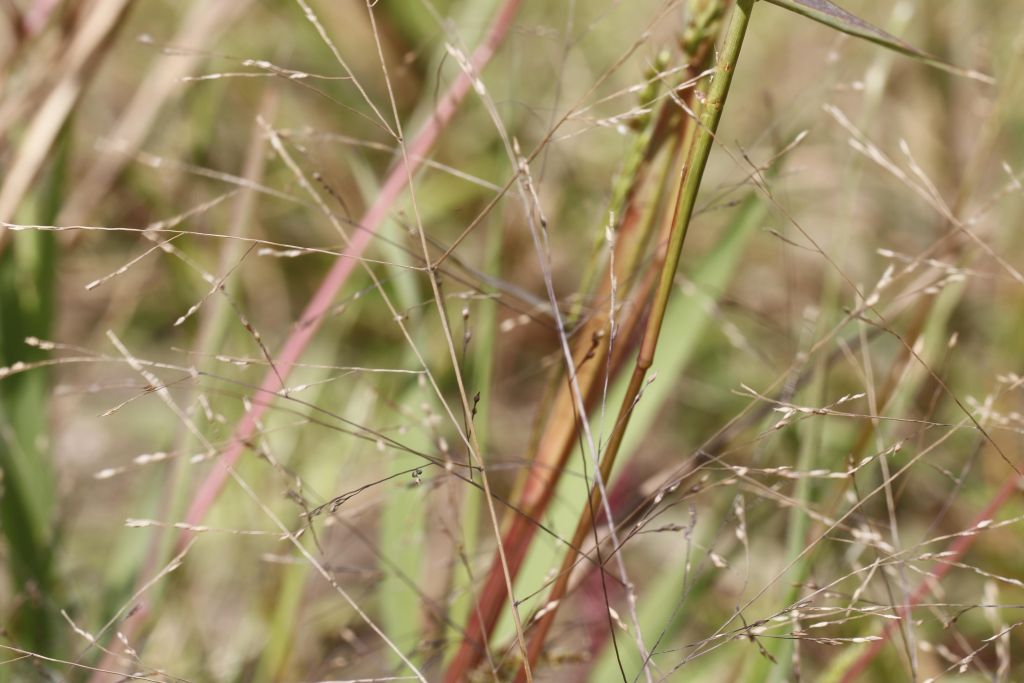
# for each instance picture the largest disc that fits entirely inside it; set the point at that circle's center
(28, 494)
(834, 16)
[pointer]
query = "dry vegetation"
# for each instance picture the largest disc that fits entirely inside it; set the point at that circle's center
(305, 304)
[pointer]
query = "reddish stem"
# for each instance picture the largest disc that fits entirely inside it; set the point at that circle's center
(35, 18)
(321, 302)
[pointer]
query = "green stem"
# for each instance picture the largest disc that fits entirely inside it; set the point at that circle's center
(694, 170)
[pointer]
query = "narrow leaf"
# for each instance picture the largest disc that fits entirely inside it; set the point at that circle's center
(830, 14)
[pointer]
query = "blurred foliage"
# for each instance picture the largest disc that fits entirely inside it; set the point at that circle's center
(907, 194)
(28, 504)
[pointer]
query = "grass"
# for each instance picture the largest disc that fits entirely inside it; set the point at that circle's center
(357, 341)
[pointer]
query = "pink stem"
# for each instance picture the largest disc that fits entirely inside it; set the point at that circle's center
(37, 15)
(319, 305)
(957, 549)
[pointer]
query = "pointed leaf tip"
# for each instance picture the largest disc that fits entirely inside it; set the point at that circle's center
(834, 16)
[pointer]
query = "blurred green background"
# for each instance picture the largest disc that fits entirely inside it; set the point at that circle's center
(903, 188)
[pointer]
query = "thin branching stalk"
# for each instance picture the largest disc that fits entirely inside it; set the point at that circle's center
(475, 451)
(700, 50)
(684, 208)
(555, 433)
(559, 437)
(213, 327)
(320, 304)
(689, 186)
(561, 407)
(924, 311)
(950, 558)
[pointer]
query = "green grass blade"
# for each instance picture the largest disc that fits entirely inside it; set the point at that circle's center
(27, 489)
